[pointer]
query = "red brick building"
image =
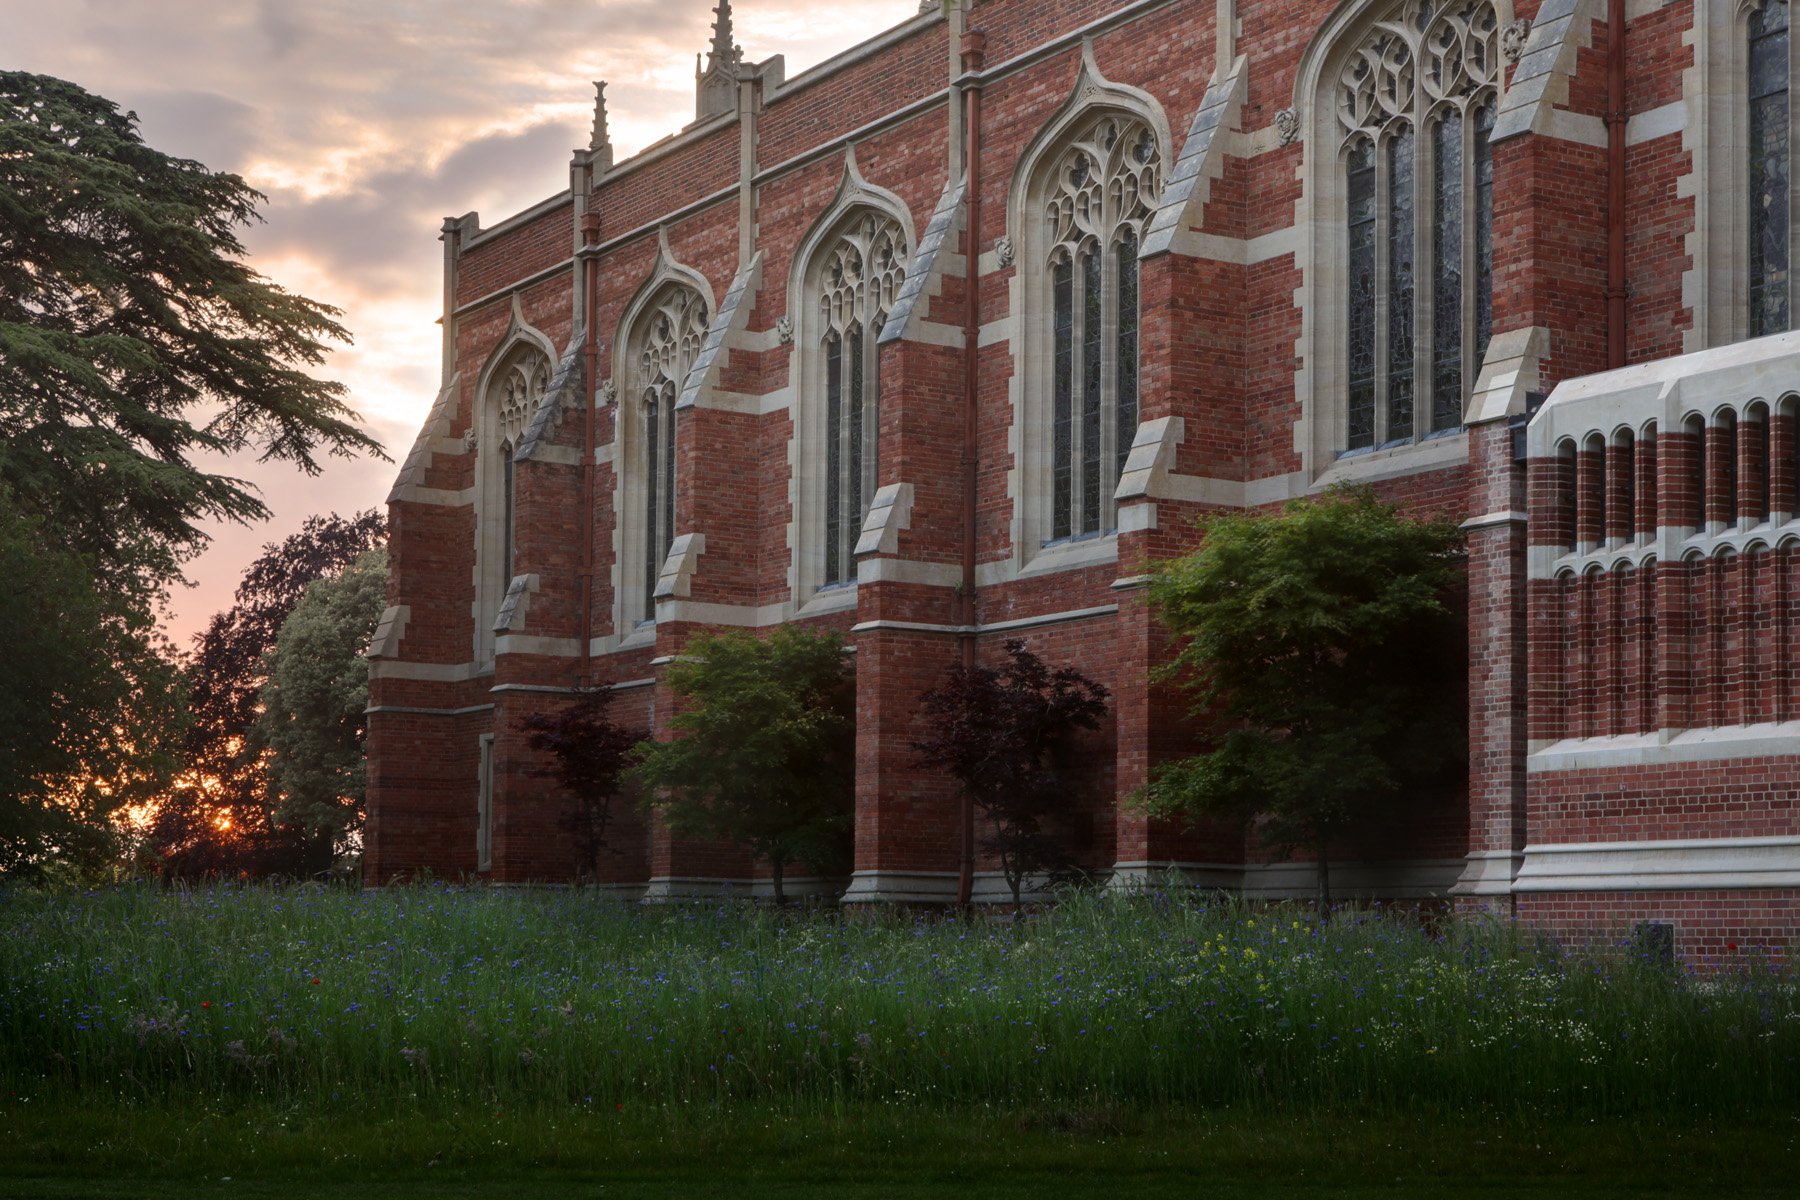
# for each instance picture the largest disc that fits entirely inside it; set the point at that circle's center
(944, 339)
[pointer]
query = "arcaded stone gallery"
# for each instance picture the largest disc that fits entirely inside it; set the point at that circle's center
(952, 335)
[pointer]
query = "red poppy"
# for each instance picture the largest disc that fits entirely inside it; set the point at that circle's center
(206, 1004)
(1731, 945)
(315, 983)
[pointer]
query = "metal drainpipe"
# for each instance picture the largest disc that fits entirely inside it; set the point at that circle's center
(590, 353)
(1616, 289)
(974, 58)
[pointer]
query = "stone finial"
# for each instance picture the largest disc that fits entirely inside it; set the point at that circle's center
(1513, 39)
(715, 84)
(725, 51)
(784, 329)
(1005, 254)
(600, 138)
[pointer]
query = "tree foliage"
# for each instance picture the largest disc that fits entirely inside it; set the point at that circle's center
(592, 753)
(1005, 734)
(1326, 661)
(133, 338)
(313, 721)
(90, 706)
(218, 820)
(765, 749)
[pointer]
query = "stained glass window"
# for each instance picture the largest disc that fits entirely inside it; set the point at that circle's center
(1362, 295)
(1093, 320)
(1400, 294)
(1127, 420)
(864, 267)
(1104, 187)
(834, 482)
(1416, 105)
(509, 485)
(670, 334)
(1447, 273)
(1063, 418)
(515, 391)
(1770, 158)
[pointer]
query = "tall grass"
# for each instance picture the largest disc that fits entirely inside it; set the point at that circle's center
(433, 995)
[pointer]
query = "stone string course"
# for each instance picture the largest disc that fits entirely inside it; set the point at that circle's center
(1232, 306)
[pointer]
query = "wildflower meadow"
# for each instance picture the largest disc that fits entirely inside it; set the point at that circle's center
(444, 998)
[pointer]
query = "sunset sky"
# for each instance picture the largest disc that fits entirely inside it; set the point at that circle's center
(366, 122)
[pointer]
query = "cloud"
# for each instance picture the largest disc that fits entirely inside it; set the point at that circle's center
(368, 121)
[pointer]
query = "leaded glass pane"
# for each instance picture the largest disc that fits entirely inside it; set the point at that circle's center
(1092, 331)
(872, 421)
(1400, 292)
(653, 502)
(1446, 279)
(1128, 344)
(1770, 162)
(1063, 416)
(1415, 102)
(510, 483)
(1362, 296)
(834, 425)
(853, 464)
(1105, 184)
(1484, 232)
(667, 340)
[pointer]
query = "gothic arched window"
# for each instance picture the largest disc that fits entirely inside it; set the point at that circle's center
(1415, 104)
(521, 387)
(515, 387)
(1099, 191)
(860, 272)
(1770, 157)
(667, 337)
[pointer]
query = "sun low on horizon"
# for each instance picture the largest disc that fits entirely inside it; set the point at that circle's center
(364, 125)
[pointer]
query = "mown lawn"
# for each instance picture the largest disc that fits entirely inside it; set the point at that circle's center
(433, 1040)
(155, 1152)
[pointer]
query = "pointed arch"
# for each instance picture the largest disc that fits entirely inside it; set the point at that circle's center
(659, 337)
(1397, 99)
(845, 280)
(1086, 189)
(511, 384)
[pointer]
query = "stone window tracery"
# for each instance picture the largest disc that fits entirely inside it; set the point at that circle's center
(863, 268)
(518, 388)
(1415, 103)
(1100, 190)
(669, 334)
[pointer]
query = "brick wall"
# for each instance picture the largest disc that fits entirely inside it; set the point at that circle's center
(1222, 347)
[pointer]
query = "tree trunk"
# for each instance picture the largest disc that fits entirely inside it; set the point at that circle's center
(775, 869)
(1016, 881)
(965, 866)
(1324, 880)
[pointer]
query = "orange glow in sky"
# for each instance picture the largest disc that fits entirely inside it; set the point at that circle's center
(366, 122)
